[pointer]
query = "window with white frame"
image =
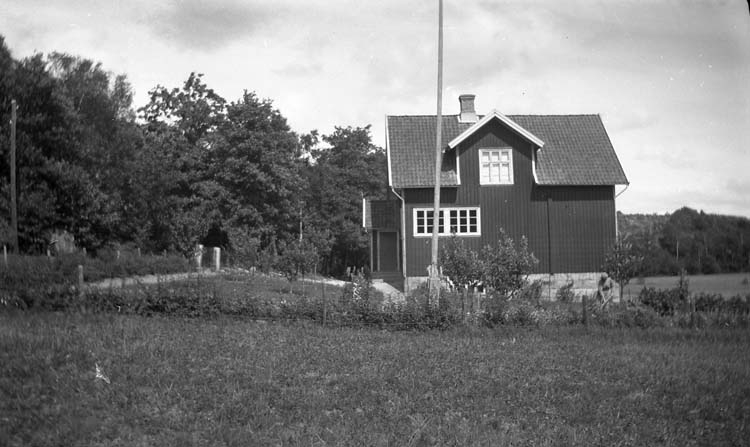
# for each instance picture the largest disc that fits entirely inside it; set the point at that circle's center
(496, 166)
(458, 221)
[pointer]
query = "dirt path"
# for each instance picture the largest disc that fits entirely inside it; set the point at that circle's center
(147, 279)
(153, 279)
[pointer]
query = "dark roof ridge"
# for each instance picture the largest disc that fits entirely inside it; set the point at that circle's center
(506, 114)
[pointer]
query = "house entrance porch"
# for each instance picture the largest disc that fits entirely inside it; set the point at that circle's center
(385, 255)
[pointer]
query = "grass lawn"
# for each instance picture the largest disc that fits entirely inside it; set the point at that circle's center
(726, 284)
(227, 381)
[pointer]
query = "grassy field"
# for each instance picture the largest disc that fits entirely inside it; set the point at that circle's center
(726, 284)
(227, 381)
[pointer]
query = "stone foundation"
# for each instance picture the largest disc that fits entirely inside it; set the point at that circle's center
(583, 283)
(412, 283)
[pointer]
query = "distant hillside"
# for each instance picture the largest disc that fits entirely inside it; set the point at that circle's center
(689, 239)
(640, 223)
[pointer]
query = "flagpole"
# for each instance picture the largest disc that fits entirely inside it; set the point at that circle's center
(434, 272)
(13, 196)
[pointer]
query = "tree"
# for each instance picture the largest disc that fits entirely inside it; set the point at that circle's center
(254, 158)
(297, 259)
(63, 133)
(338, 177)
(195, 110)
(622, 263)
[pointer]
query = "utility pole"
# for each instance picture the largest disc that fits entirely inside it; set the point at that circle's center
(434, 272)
(13, 202)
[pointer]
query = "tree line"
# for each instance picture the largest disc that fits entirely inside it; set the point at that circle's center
(188, 167)
(688, 239)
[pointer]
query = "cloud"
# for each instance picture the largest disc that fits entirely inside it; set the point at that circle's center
(299, 70)
(208, 25)
(668, 77)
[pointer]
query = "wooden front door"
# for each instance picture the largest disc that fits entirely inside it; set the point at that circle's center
(388, 251)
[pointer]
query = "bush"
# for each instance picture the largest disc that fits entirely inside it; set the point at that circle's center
(663, 302)
(50, 282)
(531, 292)
(297, 258)
(462, 265)
(506, 266)
(502, 268)
(623, 316)
(565, 293)
(417, 311)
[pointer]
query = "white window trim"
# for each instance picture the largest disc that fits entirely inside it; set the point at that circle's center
(510, 160)
(446, 228)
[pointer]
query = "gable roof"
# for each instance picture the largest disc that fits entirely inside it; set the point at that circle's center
(576, 149)
(525, 134)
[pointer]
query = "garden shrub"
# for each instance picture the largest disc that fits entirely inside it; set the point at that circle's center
(565, 293)
(531, 292)
(417, 310)
(663, 301)
(708, 302)
(557, 313)
(502, 268)
(624, 316)
(297, 258)
(495, 307)
(520, 313)
(462, 265)
(507, 265)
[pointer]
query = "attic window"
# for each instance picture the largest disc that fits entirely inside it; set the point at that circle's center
(496, 166)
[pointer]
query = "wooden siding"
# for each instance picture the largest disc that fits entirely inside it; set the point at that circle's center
(385, 214)
(578, 220)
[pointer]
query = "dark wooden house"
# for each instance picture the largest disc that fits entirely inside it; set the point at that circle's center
(550, 178)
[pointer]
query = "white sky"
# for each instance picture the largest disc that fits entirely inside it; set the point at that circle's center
(671, 79)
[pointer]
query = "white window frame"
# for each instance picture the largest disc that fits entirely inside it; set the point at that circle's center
(460, 216)
(488, 179)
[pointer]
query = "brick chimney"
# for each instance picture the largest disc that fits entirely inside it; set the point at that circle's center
(468, 114)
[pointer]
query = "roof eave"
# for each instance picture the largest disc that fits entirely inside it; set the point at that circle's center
(543, 183)
(388, 153)
(505, 120)
(442, 185)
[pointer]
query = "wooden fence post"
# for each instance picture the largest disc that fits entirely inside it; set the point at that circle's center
(80, 281)
(217, 258)
(198, 256)
(463, 303)
(325, 305)
(584, 304)
(477, 309)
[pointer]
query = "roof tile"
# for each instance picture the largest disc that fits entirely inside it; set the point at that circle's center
(577, 149)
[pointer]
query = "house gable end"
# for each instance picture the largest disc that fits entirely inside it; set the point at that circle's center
(495, 115)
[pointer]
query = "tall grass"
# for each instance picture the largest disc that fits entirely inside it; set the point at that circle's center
(225, 381)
